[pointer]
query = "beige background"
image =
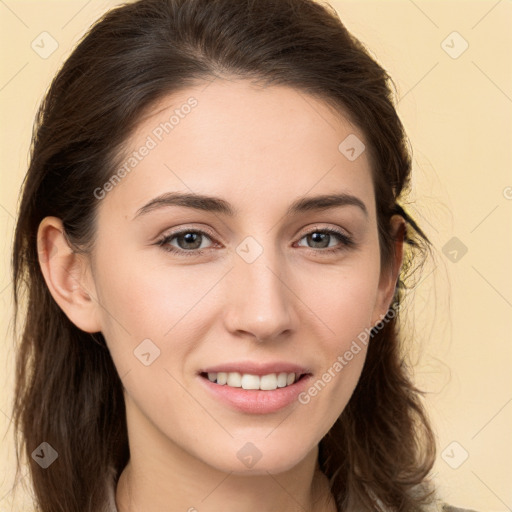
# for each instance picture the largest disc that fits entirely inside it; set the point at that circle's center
(458, 113)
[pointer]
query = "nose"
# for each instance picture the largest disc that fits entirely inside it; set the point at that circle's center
(260, 300)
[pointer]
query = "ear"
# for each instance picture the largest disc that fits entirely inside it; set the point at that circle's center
(390, 273)
(67, 275)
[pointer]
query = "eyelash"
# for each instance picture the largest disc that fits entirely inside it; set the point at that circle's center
(164, 242)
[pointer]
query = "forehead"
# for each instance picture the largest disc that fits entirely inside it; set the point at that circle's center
(268, 145)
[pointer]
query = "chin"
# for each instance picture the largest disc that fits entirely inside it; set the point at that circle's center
(258, 457)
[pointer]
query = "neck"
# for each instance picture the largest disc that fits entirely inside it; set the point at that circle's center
(229, 493)
(161, 476)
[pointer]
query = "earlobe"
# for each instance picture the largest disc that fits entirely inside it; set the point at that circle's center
(67, 275)
(390, 275)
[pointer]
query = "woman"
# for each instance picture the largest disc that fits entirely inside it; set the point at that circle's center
(214, 253)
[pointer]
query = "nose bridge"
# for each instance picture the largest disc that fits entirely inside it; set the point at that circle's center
(259, 300)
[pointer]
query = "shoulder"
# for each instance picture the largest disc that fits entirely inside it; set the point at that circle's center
(437, 503)
(449, 508)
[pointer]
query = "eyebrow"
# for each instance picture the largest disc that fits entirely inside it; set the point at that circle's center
(221, 206)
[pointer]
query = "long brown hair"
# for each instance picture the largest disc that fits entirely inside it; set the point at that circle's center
(68, 392)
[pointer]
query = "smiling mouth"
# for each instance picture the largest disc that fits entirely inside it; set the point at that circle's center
(267, 382)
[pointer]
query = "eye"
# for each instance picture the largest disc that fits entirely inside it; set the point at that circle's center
(322, 238)
(189, 242)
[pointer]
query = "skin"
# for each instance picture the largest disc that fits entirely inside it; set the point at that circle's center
(259, 149)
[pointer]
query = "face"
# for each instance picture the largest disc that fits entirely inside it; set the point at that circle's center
(263, 285)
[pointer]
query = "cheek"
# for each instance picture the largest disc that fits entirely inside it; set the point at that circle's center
(344, 297)
(142, 301)
(343, 302)
(152, 319)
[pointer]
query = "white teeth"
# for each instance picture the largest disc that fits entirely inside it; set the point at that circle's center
(282, 379)
(234, 380)
(267, 382)
(250, 381)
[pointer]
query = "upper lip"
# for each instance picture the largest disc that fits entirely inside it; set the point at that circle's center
(256, 368)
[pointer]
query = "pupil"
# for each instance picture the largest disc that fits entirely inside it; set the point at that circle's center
(317, 238)
(190, 238)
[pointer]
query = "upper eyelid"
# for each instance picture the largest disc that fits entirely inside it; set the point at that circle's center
(181, 231)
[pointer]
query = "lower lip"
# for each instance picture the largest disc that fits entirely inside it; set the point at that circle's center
(256, 401)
